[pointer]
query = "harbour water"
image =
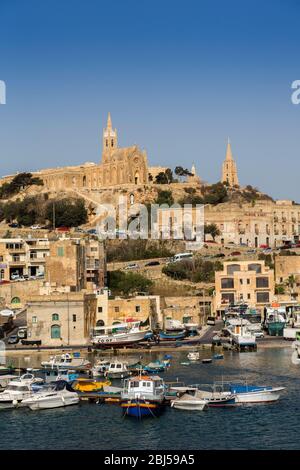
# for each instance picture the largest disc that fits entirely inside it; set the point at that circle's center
(92, 426)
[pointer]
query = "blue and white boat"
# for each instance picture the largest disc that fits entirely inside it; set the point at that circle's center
(157, 366)
(245, 393)
(143, 396)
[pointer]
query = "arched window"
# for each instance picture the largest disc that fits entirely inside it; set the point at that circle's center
(55, 317)
(55, 331)
(231, 268)
(100, 323)
(15, 300)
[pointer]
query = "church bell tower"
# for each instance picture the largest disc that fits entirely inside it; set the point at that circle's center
(110, 139)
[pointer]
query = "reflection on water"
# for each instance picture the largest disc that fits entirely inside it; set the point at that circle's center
(91, 426)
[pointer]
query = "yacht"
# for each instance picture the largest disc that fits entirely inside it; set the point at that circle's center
(142, 396)
(55, 395)
(17, 390)
(67, 361)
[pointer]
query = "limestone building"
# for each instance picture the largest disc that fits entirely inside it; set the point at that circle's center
(120, 166)
(229, 170)
(244, 281)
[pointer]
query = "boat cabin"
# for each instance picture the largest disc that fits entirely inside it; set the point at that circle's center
(143, 386)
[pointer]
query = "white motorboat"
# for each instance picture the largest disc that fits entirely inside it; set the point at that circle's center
(117, 370)
(67, 361)
(193, 356)
(17, 390)
(190, 401)
(56, 395)
(121, 334)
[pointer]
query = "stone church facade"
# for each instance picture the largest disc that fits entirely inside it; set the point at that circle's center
(120, 166)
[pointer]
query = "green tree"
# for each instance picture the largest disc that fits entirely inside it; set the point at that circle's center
(68, 212)
(212, 229)
(164, 197)
(127, 283)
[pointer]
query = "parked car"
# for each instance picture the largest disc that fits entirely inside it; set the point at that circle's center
(259, 334)
(211, 321)
(236, 253)
(15, 225)
(263, 246)
(153, 263)
(132, 266)
(250, 252)
(15, 276)
(13, 339)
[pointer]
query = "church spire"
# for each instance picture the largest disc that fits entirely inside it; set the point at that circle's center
(109, 124)
(228, 151)
(229, 170)
(110, 139)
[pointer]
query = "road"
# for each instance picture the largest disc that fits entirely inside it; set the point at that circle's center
(210, 333)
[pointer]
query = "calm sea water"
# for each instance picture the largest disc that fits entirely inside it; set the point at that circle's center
(91, 426)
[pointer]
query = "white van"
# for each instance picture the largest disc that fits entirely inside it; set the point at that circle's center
(182, 256)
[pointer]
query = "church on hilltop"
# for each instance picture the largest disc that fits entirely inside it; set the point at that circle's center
(120, 167)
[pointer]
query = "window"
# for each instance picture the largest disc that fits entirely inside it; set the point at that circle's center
(248, 281)
(262, 297)
(254, 267)
(228, 297)
(241, 281)
(60, 251)
(34, 319)
(227, 283)
(100, 309)
(2, 274)
(55, 332)
(55, 317)
(137, 308)
(1, 258)
(74, 318)
(231, 268)
(117, 309)
(262, 282)
(15, 300)
(248, 296)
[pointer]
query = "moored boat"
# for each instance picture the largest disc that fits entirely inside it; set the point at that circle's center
(117, 370)
(67, 361)
(17, 390)
(189, 401)
(118, 335)
(142, 396)
(193, 356)
(56, 395)
(245, 393)
(90, 385)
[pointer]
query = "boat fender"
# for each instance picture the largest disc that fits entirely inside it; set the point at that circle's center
(15, 402)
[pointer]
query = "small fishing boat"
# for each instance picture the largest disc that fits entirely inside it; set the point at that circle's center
(218, 356)
(56, 395)
(176, 336)
(157, 366)
(117, 370)
(193, 356)
(90, 385)
(142, 396)
(100, 367)
(67, 361)
(189, 401)
(214, 395)
(245, 393)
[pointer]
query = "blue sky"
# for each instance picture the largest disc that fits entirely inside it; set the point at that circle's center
(177, 76)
